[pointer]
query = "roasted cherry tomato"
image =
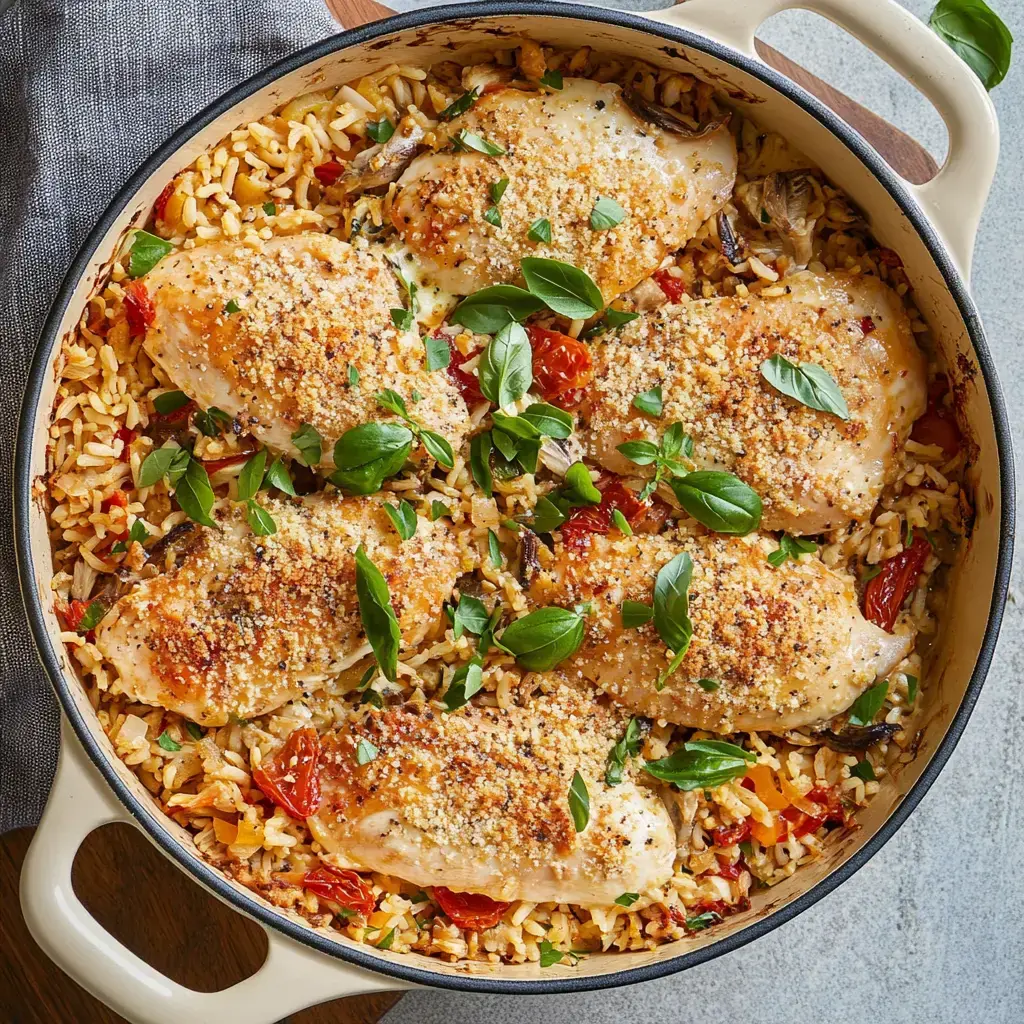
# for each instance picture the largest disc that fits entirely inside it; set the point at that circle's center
(118, 498)
(214, 464)
(291, 778)
(329, 172)
(673, 287)
(938, 425)
(886, 593)
(72, 614)
(127, 435)
(160, 206)
(344, 887)
(731, 836)
(598, 518)
(467, 383)
(470, 909)
(562, 367)
(138, 308)
(727, 870)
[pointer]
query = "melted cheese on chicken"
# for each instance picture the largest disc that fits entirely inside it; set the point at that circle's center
(310, 306)
(245, 623)
(812, 470)
(478, 801)
(563, 151)
(788, 646)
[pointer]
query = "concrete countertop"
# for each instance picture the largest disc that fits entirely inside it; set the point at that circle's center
(931, 929)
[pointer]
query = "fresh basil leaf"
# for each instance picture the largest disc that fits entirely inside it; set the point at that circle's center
(514, 428)
(720, 501)
(549, 956)
(505, 444)
(470, 616)
(578, 488)
(790, 547)
(92, 617)
(194, 730)
(540, 230)
(702, 921)
(179, 463)
(506, 366)
(270, 209)
(701, 765)
(808, 383)
(636, 614)
(628, 746)
(403, 319)
(353, 378)
(380, 131)
(309, 442)
(167, 743)
(562, 287)
(404, 518)
(378, 616)
(977, 35)
(279, 477)
(549, 420)
(675, 442)
(194, 494)
(466, 682)
(211, 421)
(460, 105)
(650, 403)
(606, 214)
(494, 549)
(438, 509)
(493, 216)
(393, 402)
(672, 603)
(232, 306)
(170, 401)
(621, 523)
(261, 522)
(864, 770)
(552, 79)
(869, 703)
(627, 899)
(365, 751)
(368, 454)
(438, 449)
(709, 685)
(137, 534)
(619, 318)
(544, 638)
(546, 516)
(250, 479)
(464, 141)
(498, 190)
(480, 462)
(146, 252)
(439, 355)
(490, 309)
(388, 939)
(579, 802)
(911, 689)
(373, 698)
(641, 453)
(367, 677)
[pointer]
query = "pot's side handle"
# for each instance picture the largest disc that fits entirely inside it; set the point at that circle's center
(291, 978)
(955, 197)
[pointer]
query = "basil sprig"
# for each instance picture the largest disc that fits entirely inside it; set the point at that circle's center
(977, 35)
(578, 489)
(672, 610)
(702, 764)
(403, 517)
(438, 353)
(579, 802)
(667, 456)
(92, 617)
(720, 501)
(170, 461)
(367, 455)
(869, 703)
(506, 366)
(250, 480)
(627, 747)
(808, 383)
(791, 547)
(146, 252)
(635, 614)
(378, 616)
(480, 462)
(212, 421)
(544, 638)
(403, 318)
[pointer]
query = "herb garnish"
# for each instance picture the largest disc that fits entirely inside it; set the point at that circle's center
(232, 306)
(194, 730)
(650, 403)
(977, 35)
(911, 688)
(380, 131)
(146, 252)
(578, 489)
(365, 751)
(808, 383)
(791, 547)
(628, 746)
(137, 534)
(465, 141)
(672, 610)
(864, 770)
(544, 638)
(579, 802)
(278, 476)
(194, 493)
(606, 214)
(702, 764)
(437, 447)
(404, 518)
(549, 956)
(211, 421)
(869, 703)
(708, 685)
(466, 682)
(506, 366)
(460, 105)
(494, 550)
(166, 742)
(621, 523)
(308, 441)
(480, 462)
(720, 501)
(636, 614)
(540, 230)
(170, 401)
(552, 79)
(702, 921)
(92, 617)
(564, 289)
(378, 616)
(470, 615)
(269, 209)
(438, 509)
(627, 899)
(666, 457)
(490, 309)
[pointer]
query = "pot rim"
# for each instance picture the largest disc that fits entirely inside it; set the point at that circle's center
(205, 873)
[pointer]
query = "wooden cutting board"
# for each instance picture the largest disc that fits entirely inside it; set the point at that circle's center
(155, 909)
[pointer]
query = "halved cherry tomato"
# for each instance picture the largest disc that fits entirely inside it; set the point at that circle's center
(467, 383)
(470, 909)
(160, 206)
(886, 593)
(138, 308)
(127, 435)
(213, 465)
(291, 777)
(673, 287)
(597, 518)
(562, 367)
(938, 424)
(344, 887)
(731, 836)
(329, 172)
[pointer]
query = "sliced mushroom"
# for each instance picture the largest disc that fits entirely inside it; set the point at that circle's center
(779, 203)
(558, 454)
(382, 164)
(853, 741)
(479, 76)
(669, 120)
(529, 562)
(647, 295)
(727, 238)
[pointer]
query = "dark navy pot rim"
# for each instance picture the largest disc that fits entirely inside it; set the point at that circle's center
(155, 825)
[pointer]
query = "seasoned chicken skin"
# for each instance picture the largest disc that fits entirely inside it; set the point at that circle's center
(788, 646)
(563, 151)
(245, 623)
(812, 470)
(309, 307)
(477, 801)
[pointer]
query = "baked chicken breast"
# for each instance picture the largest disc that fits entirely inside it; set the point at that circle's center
(561, 152)
(309, 307)
(245, 623)
(477, 801)
(787, 646)
(812, 470)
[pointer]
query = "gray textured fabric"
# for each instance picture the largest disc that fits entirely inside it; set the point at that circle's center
(87, 90)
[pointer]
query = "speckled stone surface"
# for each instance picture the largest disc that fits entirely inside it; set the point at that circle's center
(932, 929)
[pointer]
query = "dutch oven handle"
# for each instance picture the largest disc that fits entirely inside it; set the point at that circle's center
(291, 978)
(953, 200)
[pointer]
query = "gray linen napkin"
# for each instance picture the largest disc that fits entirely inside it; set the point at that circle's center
(88, 89)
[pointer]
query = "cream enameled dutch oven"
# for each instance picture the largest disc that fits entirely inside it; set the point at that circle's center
(931, 226)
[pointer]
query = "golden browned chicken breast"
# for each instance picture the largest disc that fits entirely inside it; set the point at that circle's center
(787, 646)
(812, 470)
(244, 623)
(477, 801)
(562, 151)
(308, 307)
